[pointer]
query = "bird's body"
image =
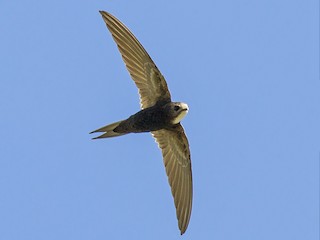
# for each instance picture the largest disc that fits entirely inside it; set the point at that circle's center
(159, 115)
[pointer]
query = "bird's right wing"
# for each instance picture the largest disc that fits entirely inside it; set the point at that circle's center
(176, 157)
(150, 82)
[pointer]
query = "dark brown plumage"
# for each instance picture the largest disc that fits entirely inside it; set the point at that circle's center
(159, 116)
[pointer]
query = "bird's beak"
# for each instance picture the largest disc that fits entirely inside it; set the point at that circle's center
(184, 107)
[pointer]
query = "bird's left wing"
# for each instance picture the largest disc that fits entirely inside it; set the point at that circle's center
(147, 77)
(176, 156)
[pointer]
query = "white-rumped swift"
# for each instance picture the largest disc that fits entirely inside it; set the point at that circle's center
(159, 115)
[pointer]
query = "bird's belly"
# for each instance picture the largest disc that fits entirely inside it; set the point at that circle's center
(143, 121)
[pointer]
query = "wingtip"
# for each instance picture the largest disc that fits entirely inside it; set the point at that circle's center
(103, 13)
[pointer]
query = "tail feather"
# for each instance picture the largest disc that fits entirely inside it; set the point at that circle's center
(108, 131)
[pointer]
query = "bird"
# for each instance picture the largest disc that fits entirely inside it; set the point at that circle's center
(158, 115)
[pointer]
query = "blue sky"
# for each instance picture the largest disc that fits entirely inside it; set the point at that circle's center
(249, 71)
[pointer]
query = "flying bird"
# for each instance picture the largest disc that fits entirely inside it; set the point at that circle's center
(159, 115)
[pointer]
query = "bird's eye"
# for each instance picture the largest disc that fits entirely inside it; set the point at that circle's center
(176, 108)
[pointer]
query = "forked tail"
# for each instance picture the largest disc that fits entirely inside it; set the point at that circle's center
(108, 131)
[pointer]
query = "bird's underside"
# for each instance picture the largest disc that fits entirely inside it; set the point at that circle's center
(159, 116)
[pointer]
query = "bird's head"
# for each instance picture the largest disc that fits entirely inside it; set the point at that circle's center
(176, 111)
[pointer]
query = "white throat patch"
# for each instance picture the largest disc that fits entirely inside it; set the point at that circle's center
(182, 114)
(180, 117)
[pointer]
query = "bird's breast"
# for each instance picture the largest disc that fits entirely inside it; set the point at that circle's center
(146, 120)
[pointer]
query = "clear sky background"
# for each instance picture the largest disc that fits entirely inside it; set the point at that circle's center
(249, 71)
